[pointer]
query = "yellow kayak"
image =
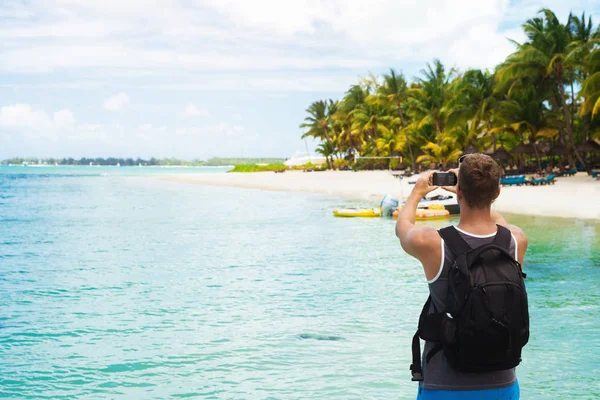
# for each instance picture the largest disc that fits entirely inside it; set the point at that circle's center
(428, 215)
(357, 212)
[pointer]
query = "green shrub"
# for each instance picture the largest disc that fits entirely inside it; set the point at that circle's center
(395, 163)
(259, 168)
(340, 163)
(310, 166)
(368, 164)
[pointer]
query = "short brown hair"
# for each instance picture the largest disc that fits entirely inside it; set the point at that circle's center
(479, 180)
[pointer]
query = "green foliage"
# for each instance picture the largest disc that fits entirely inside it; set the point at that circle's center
(309, 167)
(340, 164)
(222, 162)
(259, 168)
(368, 164)
(530, 97)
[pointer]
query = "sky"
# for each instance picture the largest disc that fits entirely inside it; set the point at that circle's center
(220, 78)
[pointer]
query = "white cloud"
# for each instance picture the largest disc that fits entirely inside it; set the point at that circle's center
(158, 49)
(117, 103)
(237, 36)
(64, 119)
(220, 130)
(482, 47)
(192, 111)
(36, 123)
(22, 116)
(225, 129)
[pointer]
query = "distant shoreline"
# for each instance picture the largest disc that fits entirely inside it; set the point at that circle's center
(115, 166)
(571, 197)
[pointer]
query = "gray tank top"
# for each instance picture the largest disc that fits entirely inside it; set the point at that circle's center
(437, 373)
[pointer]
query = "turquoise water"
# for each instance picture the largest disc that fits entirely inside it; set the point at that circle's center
(106, 171)
(126, 286)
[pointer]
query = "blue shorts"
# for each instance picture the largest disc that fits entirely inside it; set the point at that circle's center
(508, 393)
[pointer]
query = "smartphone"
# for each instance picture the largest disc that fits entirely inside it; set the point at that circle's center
(444, 179)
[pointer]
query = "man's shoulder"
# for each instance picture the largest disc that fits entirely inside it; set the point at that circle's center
(426, 238)
(517, 232)
(521, 241)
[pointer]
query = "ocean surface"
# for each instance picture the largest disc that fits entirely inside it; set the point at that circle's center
(115, 283)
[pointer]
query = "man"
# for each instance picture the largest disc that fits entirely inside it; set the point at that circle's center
(478, 186)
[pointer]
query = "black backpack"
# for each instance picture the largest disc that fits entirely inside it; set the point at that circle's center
(486, 321)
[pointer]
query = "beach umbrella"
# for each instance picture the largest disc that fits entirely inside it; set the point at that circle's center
(559, 149)
(589, 146)
(490, 150)
(470, 149)
(500, 154)
(543, 147)
(523, 148)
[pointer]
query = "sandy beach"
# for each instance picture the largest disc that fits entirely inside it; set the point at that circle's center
(570, 197)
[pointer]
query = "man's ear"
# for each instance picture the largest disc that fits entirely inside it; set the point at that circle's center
(497, 193)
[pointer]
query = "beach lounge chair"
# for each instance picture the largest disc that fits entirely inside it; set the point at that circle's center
(549, 180)
(513, 180)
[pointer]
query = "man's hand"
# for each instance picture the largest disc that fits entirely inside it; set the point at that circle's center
(423, 185)
(421, 242)
(452, 189)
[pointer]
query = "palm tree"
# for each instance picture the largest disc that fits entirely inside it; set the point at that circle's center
(372, 119)
(441, 153)
(395, 91)
(526, 116)
(545, 56)
(474, 103)
(591, 86)
(327, 150)
(584, 40)
(532, 95)
(429, 97)
(350, 141)
(390, 144)
(319, 123)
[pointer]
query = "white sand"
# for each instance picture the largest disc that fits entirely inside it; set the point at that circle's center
(571, 197)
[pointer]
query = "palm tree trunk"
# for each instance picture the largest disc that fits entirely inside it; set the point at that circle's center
(570, 135)
(586, 118)
(373, 139)
(489, 124)
(572, 107)
(412, 158)
(329, 141)
(586, 124)
(561, 89)
(554, 106)
(537, 156)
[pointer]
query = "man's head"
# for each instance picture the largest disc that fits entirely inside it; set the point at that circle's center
(478, 180)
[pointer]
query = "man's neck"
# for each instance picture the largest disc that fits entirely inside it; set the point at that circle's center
(477, 221)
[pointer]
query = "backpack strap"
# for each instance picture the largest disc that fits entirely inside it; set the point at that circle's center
(415, 367)
(454, 240)
(503, 237)
(429, 329)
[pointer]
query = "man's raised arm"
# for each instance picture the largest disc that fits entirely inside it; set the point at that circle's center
(421, 242)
